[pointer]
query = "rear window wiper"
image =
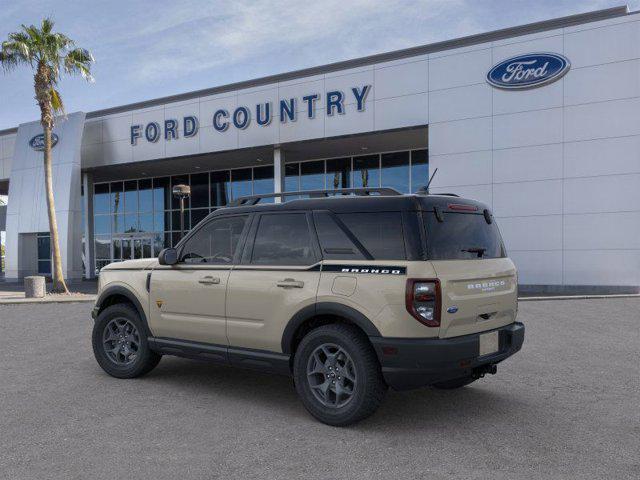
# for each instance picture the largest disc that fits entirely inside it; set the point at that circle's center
(477, 250)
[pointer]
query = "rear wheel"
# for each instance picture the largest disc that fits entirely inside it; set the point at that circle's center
(120, 344)
(337, 375)
(455, 383)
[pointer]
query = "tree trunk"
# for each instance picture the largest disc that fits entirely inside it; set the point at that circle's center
(43, 96)
(59, 285)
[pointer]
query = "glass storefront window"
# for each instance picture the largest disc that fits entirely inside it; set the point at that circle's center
(312, 175)
(241, 182)
(126, 249)
(145, 196)
(419, 169)
(131, 196)
(339, 173)
(102, 224)
(158, 242)
(161, 194)
(144, 210)
(102, 250)
(145, 222)
(161, 221)
(117, 192)
(101, 198)
(366, 171)
(395, 171)
(117, 224)
(263, 181)
(200, 190)
(220, 188)
(175, 238)
(175, 220)
(131, 223)
(292, 177)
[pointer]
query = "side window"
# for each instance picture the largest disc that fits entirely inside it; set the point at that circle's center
(380, 233)
(283, 239)
(334, 242)
(215, 243)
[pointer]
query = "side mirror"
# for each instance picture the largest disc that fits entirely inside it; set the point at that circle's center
(168, 256)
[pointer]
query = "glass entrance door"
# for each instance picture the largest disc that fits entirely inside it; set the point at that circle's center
(132, 247)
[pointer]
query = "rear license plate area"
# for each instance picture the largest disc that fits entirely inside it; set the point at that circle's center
(489, 343)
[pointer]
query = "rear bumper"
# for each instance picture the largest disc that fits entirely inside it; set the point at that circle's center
(411, 363)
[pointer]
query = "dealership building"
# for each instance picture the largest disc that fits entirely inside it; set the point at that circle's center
(541, 122)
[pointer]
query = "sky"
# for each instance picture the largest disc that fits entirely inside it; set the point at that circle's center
(148, 49)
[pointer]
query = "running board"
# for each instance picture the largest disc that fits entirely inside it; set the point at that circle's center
(262, 360)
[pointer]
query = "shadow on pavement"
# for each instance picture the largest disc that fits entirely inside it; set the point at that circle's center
(455, 410)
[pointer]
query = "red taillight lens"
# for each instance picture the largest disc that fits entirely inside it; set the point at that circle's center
(423, 301)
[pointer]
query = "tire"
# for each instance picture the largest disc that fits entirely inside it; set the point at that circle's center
(455, 383)
(133, 358)
(360, 378)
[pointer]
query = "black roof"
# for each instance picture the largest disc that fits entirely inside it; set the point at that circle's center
(358, 204)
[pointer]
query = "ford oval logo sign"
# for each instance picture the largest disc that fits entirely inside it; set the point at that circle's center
(37, 142)
(528, 71)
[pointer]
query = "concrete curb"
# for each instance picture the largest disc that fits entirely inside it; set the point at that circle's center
(45, 300)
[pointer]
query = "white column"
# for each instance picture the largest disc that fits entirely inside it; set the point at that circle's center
(87, 207)
(278, 172)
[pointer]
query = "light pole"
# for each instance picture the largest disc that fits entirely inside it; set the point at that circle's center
(181, 192)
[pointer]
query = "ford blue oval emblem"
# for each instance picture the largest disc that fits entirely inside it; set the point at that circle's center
(37, 142)
(528, 71)
(453, 309)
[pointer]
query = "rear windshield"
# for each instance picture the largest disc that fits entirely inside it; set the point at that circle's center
(462, 236)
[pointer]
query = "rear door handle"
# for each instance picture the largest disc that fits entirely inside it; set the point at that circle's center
(290, 283)
(208, 280)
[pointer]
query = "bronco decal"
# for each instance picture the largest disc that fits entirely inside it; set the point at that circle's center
(366, 269)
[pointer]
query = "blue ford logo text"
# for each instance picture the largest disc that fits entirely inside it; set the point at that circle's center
(37, 142)
(528, 71)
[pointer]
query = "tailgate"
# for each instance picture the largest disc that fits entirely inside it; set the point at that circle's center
(477, 295)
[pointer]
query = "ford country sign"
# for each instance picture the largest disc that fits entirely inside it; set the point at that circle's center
(37, 142)
(528, 71)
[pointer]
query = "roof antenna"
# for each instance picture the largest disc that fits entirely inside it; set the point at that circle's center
(425, 190)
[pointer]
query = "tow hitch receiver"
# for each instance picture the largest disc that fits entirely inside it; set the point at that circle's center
(483, 370)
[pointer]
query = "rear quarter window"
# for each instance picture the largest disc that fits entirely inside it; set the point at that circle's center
(380, 233)
(462, 236)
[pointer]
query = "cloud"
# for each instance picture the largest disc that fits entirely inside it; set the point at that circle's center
(153, 48)
(198, 39)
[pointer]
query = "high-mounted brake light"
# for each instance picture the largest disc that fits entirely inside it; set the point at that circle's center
(423, 301)
(462, 207)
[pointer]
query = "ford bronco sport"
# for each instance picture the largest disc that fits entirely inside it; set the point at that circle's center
(347, 294)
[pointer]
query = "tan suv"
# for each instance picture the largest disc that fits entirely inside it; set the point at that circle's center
(348, 294)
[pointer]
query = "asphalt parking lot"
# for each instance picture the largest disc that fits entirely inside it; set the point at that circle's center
(567, 406)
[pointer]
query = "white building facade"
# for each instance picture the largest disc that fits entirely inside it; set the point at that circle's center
(540, 122)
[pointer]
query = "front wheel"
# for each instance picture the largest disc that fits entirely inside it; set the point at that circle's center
(120, 344)
(337, 375)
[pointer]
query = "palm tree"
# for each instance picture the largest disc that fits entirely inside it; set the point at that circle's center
(47, 53)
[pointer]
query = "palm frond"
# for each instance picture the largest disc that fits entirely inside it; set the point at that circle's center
(79, 60)
(47, 52)
(47, 25)
(56, 101)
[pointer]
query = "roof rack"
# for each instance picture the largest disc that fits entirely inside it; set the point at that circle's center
(254, 199)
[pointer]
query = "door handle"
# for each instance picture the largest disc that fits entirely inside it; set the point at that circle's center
(290, 283)
(208, 280)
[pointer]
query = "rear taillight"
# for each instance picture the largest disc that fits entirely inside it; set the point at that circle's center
(423, 301)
